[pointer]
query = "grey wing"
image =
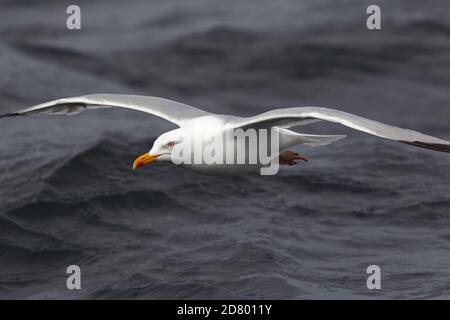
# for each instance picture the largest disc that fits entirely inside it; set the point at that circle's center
(289, 117)
(170, 110)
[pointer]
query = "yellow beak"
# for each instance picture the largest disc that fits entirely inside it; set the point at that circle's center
(144, 159)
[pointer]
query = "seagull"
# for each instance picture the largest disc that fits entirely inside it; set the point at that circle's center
(190, 119)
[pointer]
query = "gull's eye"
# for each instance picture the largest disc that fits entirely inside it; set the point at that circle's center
(170, 144)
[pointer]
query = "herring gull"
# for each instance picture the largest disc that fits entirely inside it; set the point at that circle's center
(190, 119)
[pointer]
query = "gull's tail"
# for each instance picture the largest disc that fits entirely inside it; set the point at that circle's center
(291, 138)
(319, 140)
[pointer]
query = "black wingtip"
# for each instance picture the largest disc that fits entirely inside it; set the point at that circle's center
(432, 146)
(7, 115)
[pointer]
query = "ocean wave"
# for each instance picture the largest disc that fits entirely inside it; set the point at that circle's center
(290, 55)
(426, 27)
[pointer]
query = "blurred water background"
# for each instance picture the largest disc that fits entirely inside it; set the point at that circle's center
(68, 194)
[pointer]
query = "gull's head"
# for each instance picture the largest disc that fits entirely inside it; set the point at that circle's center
(161, 149)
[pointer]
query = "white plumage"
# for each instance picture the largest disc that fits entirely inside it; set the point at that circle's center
(190, 119)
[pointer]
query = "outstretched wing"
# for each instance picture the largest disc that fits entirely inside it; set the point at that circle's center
(289, 117)
(170, 110)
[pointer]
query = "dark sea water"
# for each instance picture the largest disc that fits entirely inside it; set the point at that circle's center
(68, 194)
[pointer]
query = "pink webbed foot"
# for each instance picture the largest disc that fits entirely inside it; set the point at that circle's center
(288, 157)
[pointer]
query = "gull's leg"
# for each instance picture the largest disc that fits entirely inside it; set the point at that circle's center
(288, 157)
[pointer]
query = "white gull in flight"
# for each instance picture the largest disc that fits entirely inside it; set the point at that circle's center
(189, 119)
